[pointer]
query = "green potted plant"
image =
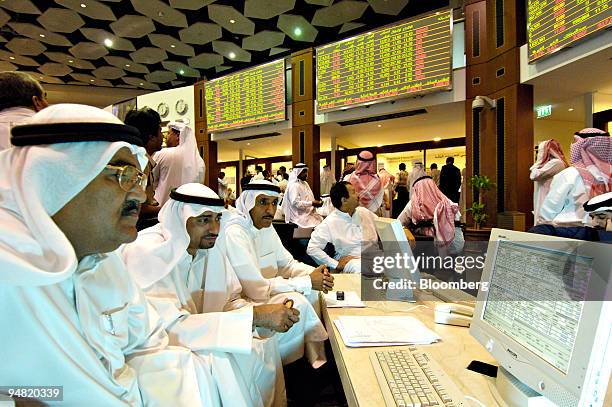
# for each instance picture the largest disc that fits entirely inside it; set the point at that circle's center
(481, 183)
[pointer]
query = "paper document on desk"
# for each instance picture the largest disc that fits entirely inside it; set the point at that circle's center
(351, 300)
(360, 331)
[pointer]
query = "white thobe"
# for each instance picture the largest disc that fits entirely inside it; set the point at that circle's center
(222, 187)
(269, 274)
(191, 301)
(168, 173)
(9, 118)
(350, 235)
(299, 210)
(542, 178)
(563, 203)
(96, 335)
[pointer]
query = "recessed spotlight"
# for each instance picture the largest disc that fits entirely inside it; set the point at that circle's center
(248, 144)
(41, 35)
(127, 65)
(379, 126)
(160, 14)
(11, 57)
(437, 138)
(83, 5)
(182, 72)
(297, 31)
(91, 80)
(40, 77)
(571, 109)
(232, 21)
(70, 61)
(232, 55)
(141, 84)
(108, 42)
(172, 46)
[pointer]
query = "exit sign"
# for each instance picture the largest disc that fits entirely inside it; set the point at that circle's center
(543, 111)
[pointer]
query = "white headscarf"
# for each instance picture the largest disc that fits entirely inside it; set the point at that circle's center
(159, 248)
(39, 180)
(246, 202)
(599, 204)
(293, 177)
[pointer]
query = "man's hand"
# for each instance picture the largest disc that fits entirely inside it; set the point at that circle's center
(317, 204)
(321, 279)
(343, 262)
(276, 317)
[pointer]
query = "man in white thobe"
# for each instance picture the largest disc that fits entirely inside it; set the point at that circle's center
(350, 228)
(177, 164)
(298, 202)
(269, 274)
(191, 284)
(69, 197)
(20, 97)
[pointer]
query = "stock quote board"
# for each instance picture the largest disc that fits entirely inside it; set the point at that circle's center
(246, 98)
(413, 57)
(555, 24)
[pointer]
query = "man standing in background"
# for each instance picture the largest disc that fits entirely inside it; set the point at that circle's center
(222, 185)
(20, 97)
(450, 180)
(435, 173)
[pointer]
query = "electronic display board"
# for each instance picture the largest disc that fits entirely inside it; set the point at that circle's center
(412, 57)
(555, 24)
(246, 98)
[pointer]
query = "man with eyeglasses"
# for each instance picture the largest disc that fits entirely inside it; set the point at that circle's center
(71, 317)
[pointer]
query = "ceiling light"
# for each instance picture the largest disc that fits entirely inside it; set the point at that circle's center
(172, 46)
(70, 61)
(181, 72)
(378, 145)
(571, 109)
(160, 14)
(379, 126)
(448, 148)
(40, 77)
(11, 57)
(41, 35)
(437, 138)
(108, 42)
(248, 144)
(287, 152)
(232, 55)
(141, 84)
(232, 21)
(91, 80)
(297, 31)
(127, 65)
(83, 5)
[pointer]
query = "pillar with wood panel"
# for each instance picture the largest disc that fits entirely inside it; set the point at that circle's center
(206, 147)
(499, 142)
(306, 140)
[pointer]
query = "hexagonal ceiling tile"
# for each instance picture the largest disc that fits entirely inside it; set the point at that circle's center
(126, 64)
(350, 26)
(275, 51)
(69, 60)
(108, 72)
(200, 33)
(17, 59)
(25, 46)
(177, 83)
(60, 20)
(190, 4)
(140, 83)
(124, 85)
(231, 51)
(160, 76)
(7, 66)
(92, 80)
(93, 9)
(131, 26)
(171, 44)
(88, 50)
(181, 69)
(224, 15)
(320, 2)
(339, 13)
(20, 6)
(221, 68)
(290, 24)
(43, 78)
(205, 60)
(98, 35)
(149, 55)
(4, 17)
(388, 7)
(267, 9)
(37, 33)
(160, 11)
(263, 40)
(54, 69)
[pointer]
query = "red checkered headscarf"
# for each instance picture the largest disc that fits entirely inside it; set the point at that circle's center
(592, 157)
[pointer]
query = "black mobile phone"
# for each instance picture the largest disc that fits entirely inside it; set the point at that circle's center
(483, 368)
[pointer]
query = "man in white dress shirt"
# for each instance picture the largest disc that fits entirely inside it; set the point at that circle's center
(298, 202)
(268, 273)
(194, 289)
(350, 228)
(71, 315)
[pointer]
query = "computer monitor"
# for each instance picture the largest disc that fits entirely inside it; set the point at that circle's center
(542, 314)
(394, 242)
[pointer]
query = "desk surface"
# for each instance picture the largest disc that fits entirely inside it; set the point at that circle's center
(456, 350)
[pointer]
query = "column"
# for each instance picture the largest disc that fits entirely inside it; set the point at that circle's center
(206, 147)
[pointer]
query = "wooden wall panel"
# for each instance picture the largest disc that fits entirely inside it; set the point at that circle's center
(303, 113)
(476, 48)
(303, 58)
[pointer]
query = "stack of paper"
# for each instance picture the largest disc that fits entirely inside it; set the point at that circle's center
(351, 300)
(360, 331)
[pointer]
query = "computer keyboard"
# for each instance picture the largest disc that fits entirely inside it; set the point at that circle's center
(410, 377)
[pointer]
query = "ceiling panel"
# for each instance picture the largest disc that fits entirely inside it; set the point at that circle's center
(231, 19)
(25, 46)
(20, 6)
(92, 9)
(55, 69)
(161, 12)
(171, 45)
(99, 36)
(267, 8)
(60, 20)
(36, 32)
(88, 50)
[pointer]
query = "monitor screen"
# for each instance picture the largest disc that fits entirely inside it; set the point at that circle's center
(250, 97)
(412, 57)
(526, 299)
(553, 25)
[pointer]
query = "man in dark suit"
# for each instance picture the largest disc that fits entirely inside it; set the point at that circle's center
(450, 180)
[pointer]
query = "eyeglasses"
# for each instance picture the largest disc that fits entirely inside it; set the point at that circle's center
(128, 176)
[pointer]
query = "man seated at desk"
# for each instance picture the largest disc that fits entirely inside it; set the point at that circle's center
(350, 228)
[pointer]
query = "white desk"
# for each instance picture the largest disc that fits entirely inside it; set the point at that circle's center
(456, 350)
